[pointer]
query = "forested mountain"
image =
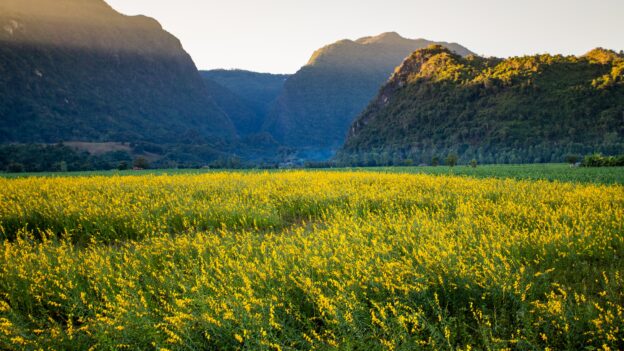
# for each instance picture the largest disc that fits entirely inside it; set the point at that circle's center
(246, 120)
(318, 103)
(245, 96)
(521, 109)
(79, 70)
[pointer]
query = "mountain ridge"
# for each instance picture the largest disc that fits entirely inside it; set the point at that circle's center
(520, 109)
(79, 70)
(322, 99)
(254, 91)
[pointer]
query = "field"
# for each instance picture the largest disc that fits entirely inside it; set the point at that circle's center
(299, 260)
(560, 172)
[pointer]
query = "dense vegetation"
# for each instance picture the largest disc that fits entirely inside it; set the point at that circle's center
(543, 171)
(598, 160)
(17, 158)
(319, 103)
(310, 260)
(58, 158)
(78, 70)
(245, 119)
(519, 110)
(249, 92)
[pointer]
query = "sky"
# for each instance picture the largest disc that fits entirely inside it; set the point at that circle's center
(279, 36)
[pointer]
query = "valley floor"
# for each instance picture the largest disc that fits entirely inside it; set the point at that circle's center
(299, 260)
(544, 171)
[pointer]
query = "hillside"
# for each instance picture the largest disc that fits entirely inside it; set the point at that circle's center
(319, 103)
(249, 95)
(246, 120)
(79, 70)
(521, 109)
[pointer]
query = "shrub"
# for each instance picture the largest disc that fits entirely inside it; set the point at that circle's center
(15, 167)
(141, 162)
(598, 160)
(451, 160)
(435, 161)
(572, 159)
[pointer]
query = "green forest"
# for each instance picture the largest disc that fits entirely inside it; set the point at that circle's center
(531, 109)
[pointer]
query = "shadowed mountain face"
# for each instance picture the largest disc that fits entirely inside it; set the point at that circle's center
(522, 109)
(78, 70)
(319, 103)
(245, 96)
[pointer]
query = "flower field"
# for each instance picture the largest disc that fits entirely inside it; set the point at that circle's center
(310, 260)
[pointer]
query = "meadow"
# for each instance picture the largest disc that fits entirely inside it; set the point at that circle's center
(301, 260)
(544, 171)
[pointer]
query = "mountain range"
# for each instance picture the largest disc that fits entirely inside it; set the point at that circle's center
(320, 101)
(78, 74)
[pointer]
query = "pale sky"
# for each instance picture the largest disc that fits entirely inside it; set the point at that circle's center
(279, 36)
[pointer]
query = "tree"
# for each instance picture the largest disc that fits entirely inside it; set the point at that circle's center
(435, 161)
(123, 165)
(451, 160)
(473, 163)
(141, 163)
(15, 167)
(572, 159)
(60, 166)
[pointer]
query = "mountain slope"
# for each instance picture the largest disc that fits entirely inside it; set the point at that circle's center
(245, 96)
(245, 119)
(319, 102)
(78, 70)
(522, 109)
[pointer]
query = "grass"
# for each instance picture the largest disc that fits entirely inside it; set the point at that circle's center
(551, 172)
(310, 260)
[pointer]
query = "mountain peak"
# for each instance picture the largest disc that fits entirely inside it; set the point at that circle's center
(93, 74)
(602, 56)
(379, 47)
(387, 37)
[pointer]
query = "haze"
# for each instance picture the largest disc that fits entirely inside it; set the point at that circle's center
(280, 35)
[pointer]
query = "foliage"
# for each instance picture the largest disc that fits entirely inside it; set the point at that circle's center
(141, 163)
(320, 101)
(451, 160)
(78, 70)
(310, 260)
(58, 157)
(542, 171)
(123, 165)
(550, 172)
(519, 110)
(598, 160)
(245, 96)
(572, 158)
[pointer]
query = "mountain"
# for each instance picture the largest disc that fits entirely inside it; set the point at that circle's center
(79, 70)
(245, 119)
(319, 102)
(245, 96)
(521, 109)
